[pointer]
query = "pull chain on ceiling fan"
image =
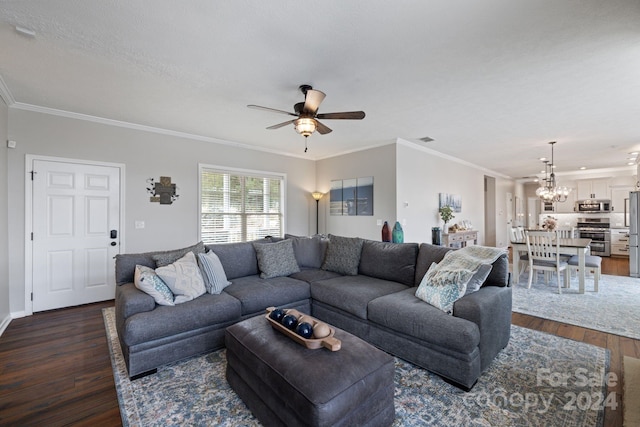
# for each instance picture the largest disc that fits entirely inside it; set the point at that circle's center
(306, 113)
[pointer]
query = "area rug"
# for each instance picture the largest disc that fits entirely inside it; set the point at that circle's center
(613, 309)
(538, 380)
(631, 379)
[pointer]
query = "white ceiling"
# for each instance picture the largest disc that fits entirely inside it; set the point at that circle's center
(490, 81)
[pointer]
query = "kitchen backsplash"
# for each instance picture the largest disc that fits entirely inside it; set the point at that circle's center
(571, 219)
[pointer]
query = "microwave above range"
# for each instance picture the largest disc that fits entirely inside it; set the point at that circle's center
(593, 206)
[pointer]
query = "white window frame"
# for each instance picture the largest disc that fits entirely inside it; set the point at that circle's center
(243, 172)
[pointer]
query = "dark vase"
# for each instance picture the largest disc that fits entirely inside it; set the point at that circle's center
(436, 237)
(397, 234)
(386, 232)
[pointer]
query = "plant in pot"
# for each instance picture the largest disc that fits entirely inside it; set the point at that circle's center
(446, 213)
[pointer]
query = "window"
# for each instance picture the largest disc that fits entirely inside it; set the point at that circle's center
(239, 206)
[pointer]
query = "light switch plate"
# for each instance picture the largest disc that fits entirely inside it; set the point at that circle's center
(139, 224)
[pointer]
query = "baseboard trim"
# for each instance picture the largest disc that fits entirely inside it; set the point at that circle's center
(5, 324)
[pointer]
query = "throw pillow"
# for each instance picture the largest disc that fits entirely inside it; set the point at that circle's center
(309, 251)
(343, 255)
(215, 279)
(276, 259)
(478, 278)
(148, 282)
(183, 278)
(169, 257)
(441, 292)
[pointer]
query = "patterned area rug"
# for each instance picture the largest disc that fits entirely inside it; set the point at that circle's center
(613, 309)
(538, 380)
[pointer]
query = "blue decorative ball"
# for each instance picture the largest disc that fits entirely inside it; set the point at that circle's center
(277, 314)
(304, 329)
(290, 321)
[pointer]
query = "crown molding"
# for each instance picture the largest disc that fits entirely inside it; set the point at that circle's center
(6, 94)
(419, 147)
(145, 128)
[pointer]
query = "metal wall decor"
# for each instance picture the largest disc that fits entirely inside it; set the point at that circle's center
(163, 192)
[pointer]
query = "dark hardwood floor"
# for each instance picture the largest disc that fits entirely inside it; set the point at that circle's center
(55, 368)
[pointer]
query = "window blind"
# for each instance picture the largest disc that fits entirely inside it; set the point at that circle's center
(239, 207)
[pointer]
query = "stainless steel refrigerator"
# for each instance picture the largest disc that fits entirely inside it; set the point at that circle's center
(634, 230)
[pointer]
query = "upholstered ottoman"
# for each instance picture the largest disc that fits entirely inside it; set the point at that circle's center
(284, 383)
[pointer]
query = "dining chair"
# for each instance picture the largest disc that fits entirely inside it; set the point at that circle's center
(566, 233)
(591, 262)
(544, 254)
(517, 235)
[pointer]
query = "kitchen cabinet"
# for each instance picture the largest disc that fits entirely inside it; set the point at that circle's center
(568, 205)
(593, 188)
(620, 242)
(618, 194)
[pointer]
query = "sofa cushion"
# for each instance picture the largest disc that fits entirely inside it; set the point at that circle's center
(314, 274)
(201, 312)
(183, 277)
(428, 254)
(126, 265)
(353, 293)
(256, 294)
(423, 321)
(215, 279)
(276, 259)
(309, 251)
(169, 257)
(238, 259)
(148, 282)
(441, 292)
(343, 255)
(499, 275)
(389, 261)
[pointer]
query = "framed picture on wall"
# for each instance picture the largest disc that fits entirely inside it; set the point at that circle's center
(452, 200)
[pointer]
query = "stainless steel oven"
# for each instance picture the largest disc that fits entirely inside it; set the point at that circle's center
(599, 231)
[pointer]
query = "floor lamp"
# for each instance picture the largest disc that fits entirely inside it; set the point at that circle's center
(317, 196)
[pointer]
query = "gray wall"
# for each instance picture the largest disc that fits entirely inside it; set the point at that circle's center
(145, 155)
(4, 224)
(380, 163)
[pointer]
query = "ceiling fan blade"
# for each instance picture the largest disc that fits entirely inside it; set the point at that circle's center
(273, 110)
(279, 125)
(322, 129)
(312, 100)
(346, 115)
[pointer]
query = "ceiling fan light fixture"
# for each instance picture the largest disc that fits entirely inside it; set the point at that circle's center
(305, 126)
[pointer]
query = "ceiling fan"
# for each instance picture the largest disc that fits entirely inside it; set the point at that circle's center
(306, 113)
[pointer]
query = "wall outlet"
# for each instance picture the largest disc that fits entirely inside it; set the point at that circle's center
(379, 222)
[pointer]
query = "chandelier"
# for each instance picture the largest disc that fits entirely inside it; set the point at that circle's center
(549, 191)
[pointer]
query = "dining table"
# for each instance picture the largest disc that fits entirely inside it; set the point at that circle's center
(575, 246)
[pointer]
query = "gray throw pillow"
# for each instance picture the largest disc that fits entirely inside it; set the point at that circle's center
(343, 255)
(169, 257)
(309, 251)
(276, 259)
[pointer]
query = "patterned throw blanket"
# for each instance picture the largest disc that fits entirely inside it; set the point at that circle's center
(458, 266)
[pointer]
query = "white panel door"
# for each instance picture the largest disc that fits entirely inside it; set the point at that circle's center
(76, 222)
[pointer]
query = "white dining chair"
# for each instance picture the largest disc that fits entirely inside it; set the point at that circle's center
(592, 263)
(544, 254)
(517, 235)
(566, 233)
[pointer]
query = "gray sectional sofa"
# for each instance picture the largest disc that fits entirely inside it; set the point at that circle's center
(375, 301)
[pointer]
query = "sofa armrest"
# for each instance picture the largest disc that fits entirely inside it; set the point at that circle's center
(490, 309)
(131, 300)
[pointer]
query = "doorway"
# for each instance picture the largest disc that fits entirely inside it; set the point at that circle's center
(74, 209)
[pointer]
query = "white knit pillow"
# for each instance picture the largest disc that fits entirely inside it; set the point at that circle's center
(183, 278)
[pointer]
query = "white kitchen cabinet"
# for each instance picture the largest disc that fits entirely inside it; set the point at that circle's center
(618, 194)
(620, 242)
(569, 205)
(593, 188)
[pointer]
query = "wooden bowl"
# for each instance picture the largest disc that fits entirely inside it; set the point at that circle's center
(328, 342)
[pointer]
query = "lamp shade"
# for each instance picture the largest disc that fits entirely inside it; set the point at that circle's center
(317, 195)
(305, 126)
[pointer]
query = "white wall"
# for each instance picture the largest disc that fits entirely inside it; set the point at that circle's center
(378, 162)
(145, 155)
(4, 225)
(421, 177)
